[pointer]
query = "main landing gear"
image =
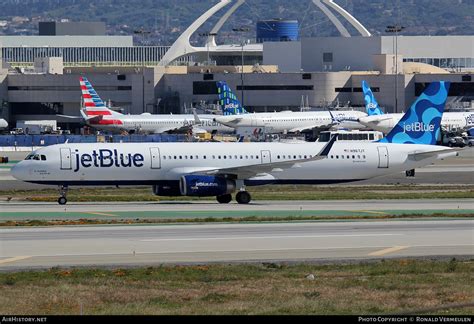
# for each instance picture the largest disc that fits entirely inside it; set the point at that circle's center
(242, 197)
(62, 200)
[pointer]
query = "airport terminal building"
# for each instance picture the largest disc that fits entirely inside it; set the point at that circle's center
(39, 75)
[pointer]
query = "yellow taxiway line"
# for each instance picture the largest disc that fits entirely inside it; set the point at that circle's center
(388, 250)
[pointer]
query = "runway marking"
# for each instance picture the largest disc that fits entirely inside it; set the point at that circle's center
(102, 214)
(264, 237)
(18, 258)
(369, 212)
(388, 250)
(121, 253)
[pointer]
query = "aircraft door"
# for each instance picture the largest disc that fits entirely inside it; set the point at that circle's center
(65, 154)
(383, 156)
(155, 158)
(266, 157)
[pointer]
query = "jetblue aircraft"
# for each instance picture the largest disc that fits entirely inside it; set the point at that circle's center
(3, 123)
(97, 115)
(220, 169)
(379, 121)
(236, 116)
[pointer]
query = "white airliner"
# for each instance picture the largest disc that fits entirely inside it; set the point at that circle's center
(3, 123)
(237, 117)
(381, 122)
(219, 169)
(97, 115)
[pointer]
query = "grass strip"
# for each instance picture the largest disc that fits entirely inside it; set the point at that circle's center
(378, 287)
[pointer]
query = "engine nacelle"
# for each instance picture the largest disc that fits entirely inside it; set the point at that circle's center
(168, 189)
(205, 186)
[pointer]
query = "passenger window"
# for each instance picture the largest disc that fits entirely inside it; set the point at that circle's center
(43, 157)
(191, 157)
(337, 156)
(180, 157)
(164, 157)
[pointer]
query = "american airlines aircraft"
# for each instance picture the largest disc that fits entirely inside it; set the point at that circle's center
(3, 123)
(97, 115)
(379, 121)
(220, 169)
(236, 116)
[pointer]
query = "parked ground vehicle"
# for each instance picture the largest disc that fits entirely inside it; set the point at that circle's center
(469, 140)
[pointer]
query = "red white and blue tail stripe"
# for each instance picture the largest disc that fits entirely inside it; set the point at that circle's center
(93, 104)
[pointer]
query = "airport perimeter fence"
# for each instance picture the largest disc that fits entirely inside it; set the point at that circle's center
(46, 140)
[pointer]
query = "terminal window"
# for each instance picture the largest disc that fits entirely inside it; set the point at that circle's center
(204, 88)
(327, 57)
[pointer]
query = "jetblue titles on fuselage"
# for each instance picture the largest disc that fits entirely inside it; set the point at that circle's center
(105, 158)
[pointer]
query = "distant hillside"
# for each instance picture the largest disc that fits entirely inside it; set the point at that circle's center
(166, 19)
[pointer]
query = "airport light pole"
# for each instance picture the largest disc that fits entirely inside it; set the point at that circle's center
(395, 29)
(242, 44)
(207, 34)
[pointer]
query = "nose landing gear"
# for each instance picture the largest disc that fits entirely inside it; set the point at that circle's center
(62, 200)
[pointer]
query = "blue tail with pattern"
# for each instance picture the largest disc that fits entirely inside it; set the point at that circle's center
(421, 124)
(371, 105)
(228, 101)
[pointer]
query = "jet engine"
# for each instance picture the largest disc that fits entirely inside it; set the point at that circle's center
(205, 186)
(168, 189)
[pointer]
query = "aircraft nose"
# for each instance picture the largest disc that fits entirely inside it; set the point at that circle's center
(17, 171)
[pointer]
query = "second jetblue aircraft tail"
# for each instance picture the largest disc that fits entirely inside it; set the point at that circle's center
(421, 124)
(371, 105)
(228, 101)
(93, 104)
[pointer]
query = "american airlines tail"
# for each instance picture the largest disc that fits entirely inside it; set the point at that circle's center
(371, 105)
(421, 124)
(94, 106)
(228, 100)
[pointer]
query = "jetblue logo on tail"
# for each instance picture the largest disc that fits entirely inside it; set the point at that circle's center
(228, 100)
(371, 105)
(421, 124)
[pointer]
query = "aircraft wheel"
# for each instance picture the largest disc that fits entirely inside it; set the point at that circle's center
(62, 200)
(224, 199)
(243, 197)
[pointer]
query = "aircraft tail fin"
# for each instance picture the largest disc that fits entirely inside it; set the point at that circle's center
(421, 124)
(93, 104)
(228, 100)
(371, 105)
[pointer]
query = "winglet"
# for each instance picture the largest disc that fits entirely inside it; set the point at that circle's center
(197, 121)
(327, 148)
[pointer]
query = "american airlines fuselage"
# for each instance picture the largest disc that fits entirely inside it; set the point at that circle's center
(450, 121)
(148, 123)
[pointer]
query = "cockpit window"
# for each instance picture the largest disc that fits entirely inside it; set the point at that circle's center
(36, 157)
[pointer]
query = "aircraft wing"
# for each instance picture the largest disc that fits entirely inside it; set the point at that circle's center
(312, 127)
(70, 117)
(249, 171)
